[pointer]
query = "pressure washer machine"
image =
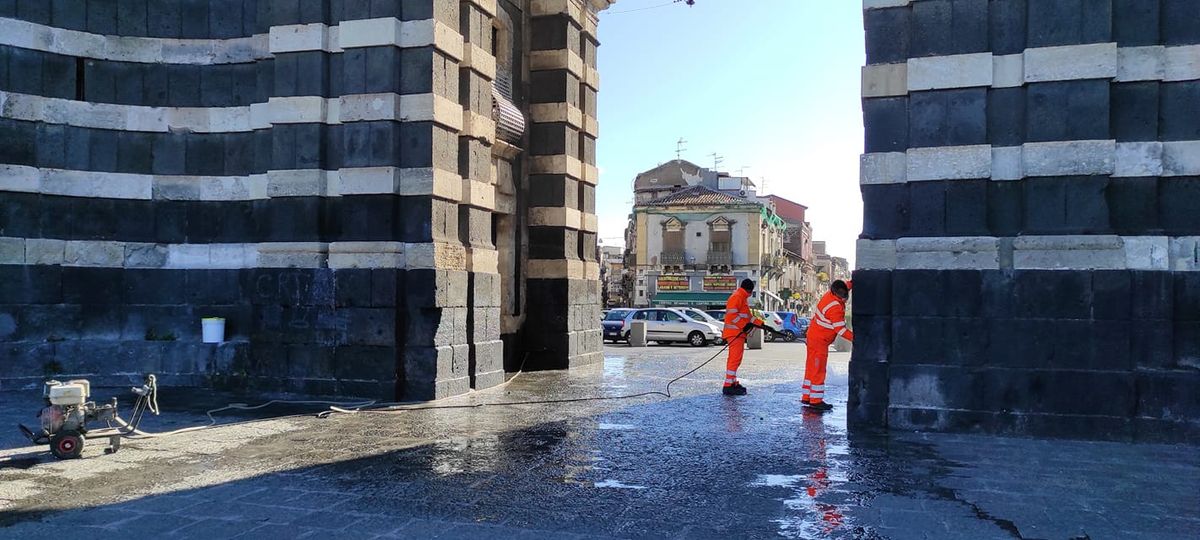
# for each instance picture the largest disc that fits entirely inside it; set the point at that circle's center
(65, 418)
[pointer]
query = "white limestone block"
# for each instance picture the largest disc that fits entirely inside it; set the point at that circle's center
(1139, 159)
(876, 4)
(293, 255)
(1140, 63)
(176, 188)
(1071, 62)
(1181, 63)
(875, 254)
(20, 178)
(188, 256)
(366, 255)
(954, 71)
(949, 162)
(260, 115)
(1006, 163)
(370, 33)
(1063, 158)
(228, 119)
(1069, 252)
(948, 253)
(44, 251)
(231, 256)
(1181, 158)
(368, 107)
(231, 188)
(883, 168)
(97, 185)
(368, 180)
(145, 255)
(1185, 254)
(12, 250)
(1008, 70)
(430, 181)
(1147, 252)
(431, 108)
(298, 37)
(94, 253)
(298, 109)
(300, 183)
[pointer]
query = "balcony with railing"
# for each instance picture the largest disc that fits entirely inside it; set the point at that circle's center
(671, 258)
(720, 258)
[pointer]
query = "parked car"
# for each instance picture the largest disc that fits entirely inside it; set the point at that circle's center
(707, 317)
(769, 319)
(794, 326)
(666, 325)
(613, 323)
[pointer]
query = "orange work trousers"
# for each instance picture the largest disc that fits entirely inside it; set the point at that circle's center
(814, 370)
(737, 347)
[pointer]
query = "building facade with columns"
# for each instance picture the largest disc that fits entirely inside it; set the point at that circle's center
(1031, 185)
(375, 196)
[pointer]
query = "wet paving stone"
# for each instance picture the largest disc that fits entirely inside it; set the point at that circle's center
(697, 465)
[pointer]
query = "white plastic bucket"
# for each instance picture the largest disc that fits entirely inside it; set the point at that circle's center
(213, 329)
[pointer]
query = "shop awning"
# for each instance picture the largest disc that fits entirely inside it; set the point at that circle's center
(668, 299)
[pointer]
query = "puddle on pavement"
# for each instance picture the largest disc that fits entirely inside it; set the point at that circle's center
(616, 484)
(616, 426)
(614, 367)
(777, 480)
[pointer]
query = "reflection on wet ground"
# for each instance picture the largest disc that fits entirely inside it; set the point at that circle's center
(700, 465)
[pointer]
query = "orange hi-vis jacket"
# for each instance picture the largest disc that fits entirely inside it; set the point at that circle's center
(737, 313)
(829, 320)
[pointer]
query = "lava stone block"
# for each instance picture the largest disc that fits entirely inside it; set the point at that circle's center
(370, 218)
(553, 243)
(353, 10)
(1153, 295)
(156, 86)
(927, 207)
(21, 284)
(103, 151)
(965, 289)
(1087, 211)
(1133, 204)
(25, 68)
(885, 210)
(1067, 111)
(945, 27)
(964, 342)
(942, 118)
(1135, 111)
(132, 18)
(91, 285)
(225, 19)
(382, 143)
(354, 71)
(239, 154)
(996, 296)
(1180, 22)
(296, 219)
(549, 32)
(362, 362)
(1179, 111)
(216, 86)
(1069, 22)
(416, 10)
(872, 292)
(417, 66)
(1135, 23)
(129, 87)
(69, 14)
(888, 34)
(205, 154)
(309, 145)
(1178, 199)
(1005, 207)
(967, 207)
(313, 11)
(58, 76)
(886, 122)
(134, 152)
(312, 74)
(34, 11)
(169, 153)
(184, 85)
(872, 339)
(164, 18)
(1053, 294)
(1111, 295)
(356, 144)
(1045, 202)
(170, 222)
(1187, 296)
(220, 221)
(1152, 343)
(285, 77)
(157, 286)
(51, 146)
(916, 293)
(386, 287)
(102, 17)
(244, 84)
(416, 144)
(195, 17)
(1006, 116)
(353, 287)
(1006, 26)
(1186, 348)
(1110, 346)
(1168, 394)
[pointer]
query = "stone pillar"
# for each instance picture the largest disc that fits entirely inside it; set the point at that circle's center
(563, 285)
(1030, 183)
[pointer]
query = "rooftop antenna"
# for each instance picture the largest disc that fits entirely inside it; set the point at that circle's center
(717, 160)
(742, 170)
(680, 148)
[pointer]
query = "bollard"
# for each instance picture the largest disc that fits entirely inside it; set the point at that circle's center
(637, 334)
(840, 344)
(755, 339)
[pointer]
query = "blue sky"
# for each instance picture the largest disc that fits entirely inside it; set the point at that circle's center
(771, 85)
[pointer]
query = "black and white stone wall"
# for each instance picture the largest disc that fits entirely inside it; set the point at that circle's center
(323, 174)
(1030, 254)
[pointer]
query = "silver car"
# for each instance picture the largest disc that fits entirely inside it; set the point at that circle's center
(666, 325)
(698, 315)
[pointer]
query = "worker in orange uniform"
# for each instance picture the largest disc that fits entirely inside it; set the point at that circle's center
(828, 322)
(738, 323)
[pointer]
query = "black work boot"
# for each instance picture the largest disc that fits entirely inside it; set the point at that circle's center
(734, 390)
(821, 407)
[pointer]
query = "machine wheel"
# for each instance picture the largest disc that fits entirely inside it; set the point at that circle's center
(768, 336)
(66, 445)
(697, 339)
(789, 336)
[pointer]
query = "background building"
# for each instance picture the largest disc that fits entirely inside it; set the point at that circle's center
(375, 195)
(612, 277)
(1031, 179)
